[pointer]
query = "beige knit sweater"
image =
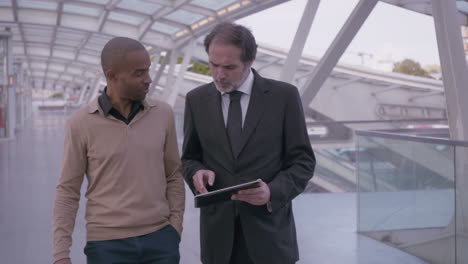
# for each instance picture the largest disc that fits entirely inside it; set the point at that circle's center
(133, 171)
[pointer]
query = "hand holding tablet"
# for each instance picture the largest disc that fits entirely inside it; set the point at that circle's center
(223, 195)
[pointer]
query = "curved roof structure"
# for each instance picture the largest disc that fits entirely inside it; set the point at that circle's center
(425, 7)
(60, 41)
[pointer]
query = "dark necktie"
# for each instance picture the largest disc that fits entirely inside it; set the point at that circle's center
(234, 122)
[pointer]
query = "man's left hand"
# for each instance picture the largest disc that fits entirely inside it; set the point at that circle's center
(255, 196)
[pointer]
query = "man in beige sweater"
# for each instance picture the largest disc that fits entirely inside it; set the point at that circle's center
(126, 146)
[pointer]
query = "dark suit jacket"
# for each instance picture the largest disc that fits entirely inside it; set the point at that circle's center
(275, 148)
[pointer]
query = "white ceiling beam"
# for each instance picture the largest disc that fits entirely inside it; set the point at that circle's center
(159, 73)
(344, 37)
(454, 67)
(107, 8)
(295, 52)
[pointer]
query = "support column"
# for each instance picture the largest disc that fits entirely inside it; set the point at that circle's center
(455, 79)
(182, 70)
(11, 85)
(170, 75)
(297, 47)
(82, 93)
(95, 89)
(453, 64)
(159, 73)
(336, 50)
(29, 106)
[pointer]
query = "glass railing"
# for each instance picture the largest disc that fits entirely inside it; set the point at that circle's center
(412, 194)
(335, 169)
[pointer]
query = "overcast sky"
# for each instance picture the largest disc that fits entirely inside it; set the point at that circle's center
(390, 32)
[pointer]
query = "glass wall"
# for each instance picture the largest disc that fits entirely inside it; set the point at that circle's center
(461, 173)
(408, 191)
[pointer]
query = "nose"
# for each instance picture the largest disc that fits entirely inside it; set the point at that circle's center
(220, 74)
(147, 78)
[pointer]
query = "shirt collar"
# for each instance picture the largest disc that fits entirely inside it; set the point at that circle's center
(106, 105)
(104, 102)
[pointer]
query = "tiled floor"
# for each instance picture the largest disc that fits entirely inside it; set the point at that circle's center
(30, 166)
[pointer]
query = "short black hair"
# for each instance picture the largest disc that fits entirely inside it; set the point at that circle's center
(114, 52)
(237, 35)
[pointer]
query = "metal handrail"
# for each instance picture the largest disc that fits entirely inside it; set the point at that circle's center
(413, 138)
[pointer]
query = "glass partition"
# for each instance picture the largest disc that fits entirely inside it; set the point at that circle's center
(407, 194)
(461, 173)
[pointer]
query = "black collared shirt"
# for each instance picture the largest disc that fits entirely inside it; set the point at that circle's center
(108, 108)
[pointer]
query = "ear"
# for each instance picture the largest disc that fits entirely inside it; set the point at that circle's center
(110, 74)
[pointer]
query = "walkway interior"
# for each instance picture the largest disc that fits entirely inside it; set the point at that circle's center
(29, 169)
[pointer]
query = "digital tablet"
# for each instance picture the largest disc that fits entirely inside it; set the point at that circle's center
(223, 195)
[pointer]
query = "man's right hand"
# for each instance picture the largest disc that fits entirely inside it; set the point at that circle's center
(201, 178)
(63, 261)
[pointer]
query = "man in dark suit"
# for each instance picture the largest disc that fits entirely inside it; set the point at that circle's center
(239, 128)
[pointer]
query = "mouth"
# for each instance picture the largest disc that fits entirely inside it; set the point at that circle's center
(222, 84)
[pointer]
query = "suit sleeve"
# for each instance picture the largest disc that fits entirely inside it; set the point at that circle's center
(192, 153)
(298, 159)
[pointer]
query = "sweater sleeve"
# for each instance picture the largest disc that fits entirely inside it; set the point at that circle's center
(68, 189)
(175, 184)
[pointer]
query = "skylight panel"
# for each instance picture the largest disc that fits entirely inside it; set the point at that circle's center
(52, 75)
(65, 77)
(102, 2)
(38, 65)
(63, 54)
(6, 3)
(74, 71)
(144, 7)
(82, 10)
(56, 67)
(213, 4)
(37, 4)
(125, 18)
(184, 17)
(88, 59)
(165, 28)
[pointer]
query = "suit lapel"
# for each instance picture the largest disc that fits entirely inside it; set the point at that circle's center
(255, 110)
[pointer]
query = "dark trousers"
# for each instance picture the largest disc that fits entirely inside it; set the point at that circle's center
(239, 254)
(159, 247)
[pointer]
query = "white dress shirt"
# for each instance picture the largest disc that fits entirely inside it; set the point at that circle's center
(246, 89)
